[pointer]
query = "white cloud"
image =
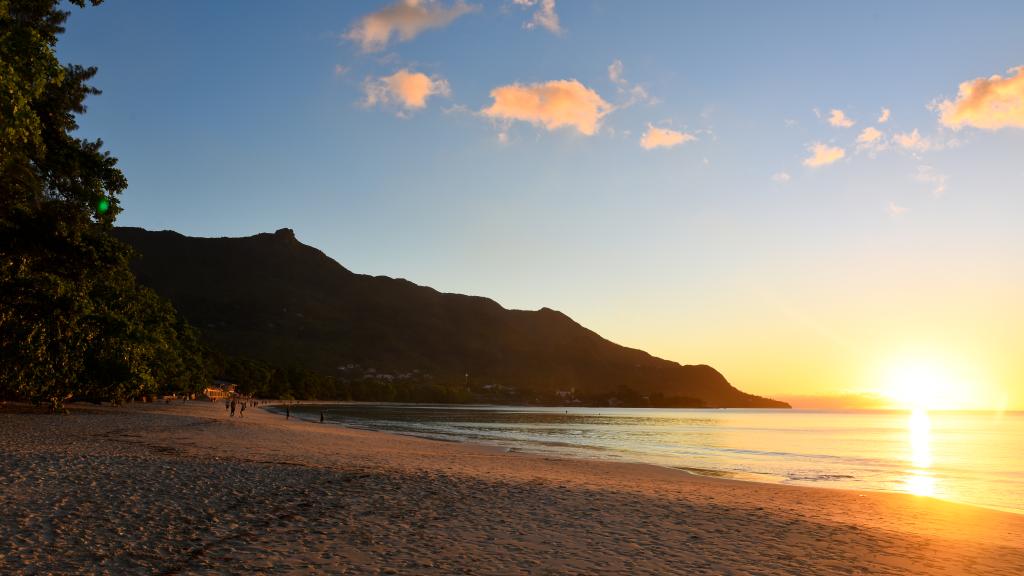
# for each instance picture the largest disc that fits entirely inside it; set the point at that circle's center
(340, 70)
(404, 19)
(934, 179)
(550, 104)
(895, 210)
(633, 93)
(409, 90)
(823, 155)
(545, 16)
(656, 137)
(989, 103)
(781, 177)
(615, 72)
(884, 116)
(839, 119)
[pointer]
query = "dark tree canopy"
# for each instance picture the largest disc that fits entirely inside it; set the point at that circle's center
(73, 321)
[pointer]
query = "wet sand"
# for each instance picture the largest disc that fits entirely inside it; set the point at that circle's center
(184, 489)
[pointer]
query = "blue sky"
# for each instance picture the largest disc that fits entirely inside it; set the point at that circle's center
(232, 118)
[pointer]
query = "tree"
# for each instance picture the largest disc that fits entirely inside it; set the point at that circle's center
(73, 321)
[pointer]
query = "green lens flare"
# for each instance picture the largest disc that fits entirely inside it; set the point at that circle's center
(103, 206)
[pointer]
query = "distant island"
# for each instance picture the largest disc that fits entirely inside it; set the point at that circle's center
(284, 320)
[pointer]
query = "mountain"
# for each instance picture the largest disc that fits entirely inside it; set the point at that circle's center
(271, 298)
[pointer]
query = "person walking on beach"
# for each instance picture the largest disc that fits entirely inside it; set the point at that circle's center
(227, 404)
(287, 413)
(241, 411)
(232, 408)
(321, 416)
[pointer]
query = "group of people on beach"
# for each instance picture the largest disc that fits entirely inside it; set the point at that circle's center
(239, 404)
(233, 405)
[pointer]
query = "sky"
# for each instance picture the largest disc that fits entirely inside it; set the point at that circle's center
(815, 199)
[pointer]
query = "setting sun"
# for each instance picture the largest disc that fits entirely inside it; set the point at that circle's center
(919, 385)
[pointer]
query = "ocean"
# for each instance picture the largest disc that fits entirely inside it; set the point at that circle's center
(970, 457)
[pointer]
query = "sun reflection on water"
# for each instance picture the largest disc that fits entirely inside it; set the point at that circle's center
(919, 480)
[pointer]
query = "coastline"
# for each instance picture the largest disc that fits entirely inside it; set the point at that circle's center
(814, 476)
(183, 488)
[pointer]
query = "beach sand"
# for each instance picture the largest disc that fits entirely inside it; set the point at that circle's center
(184, 489)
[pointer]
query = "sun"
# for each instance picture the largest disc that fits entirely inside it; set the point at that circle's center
(921, 385)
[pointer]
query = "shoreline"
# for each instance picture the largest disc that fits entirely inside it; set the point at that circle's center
(701, 472)
(261, 493)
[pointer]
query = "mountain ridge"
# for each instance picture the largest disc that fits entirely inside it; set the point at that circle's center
(272, 298)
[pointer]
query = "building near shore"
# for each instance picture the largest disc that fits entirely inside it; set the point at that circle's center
(220, 391)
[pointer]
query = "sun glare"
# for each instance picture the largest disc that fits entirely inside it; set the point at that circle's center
(920, 385)
(919, 479)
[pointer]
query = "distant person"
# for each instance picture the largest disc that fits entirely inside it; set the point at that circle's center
(321, 416)
(241, 412)
(232, 408)
(287, 413)
(227, 404)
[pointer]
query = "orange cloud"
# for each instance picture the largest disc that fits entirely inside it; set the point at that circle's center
(912, 141)
(663, 138)
(884, 117)
(823, 154)
(872, 140)
(406, 19)
(989, 103)
(407, 89)
(839, 119)
(869, 135)
(552, 104)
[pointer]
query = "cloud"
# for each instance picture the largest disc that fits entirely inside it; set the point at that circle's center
(781, 177)
(884, 116)
(551, 104)
(409, 90)
(340, 70)
(545, 16)
(872, 140)
(869, 135)
(912, 141)
(656, 137)
(839, 119)
(937, 181)
(406, 19)
(615, 73)
(989, 103)
(895, 210)
(823, 154)
(634, 93)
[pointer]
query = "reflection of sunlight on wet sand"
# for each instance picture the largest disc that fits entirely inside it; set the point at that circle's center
(920, 480)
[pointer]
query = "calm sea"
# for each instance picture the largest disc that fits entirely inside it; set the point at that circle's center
(971, 457)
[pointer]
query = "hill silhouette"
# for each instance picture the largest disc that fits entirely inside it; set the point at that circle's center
(271, 298)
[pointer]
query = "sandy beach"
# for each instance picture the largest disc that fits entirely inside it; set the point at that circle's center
(184, 489)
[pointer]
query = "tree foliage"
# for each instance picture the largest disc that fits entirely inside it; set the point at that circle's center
(73, 321)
